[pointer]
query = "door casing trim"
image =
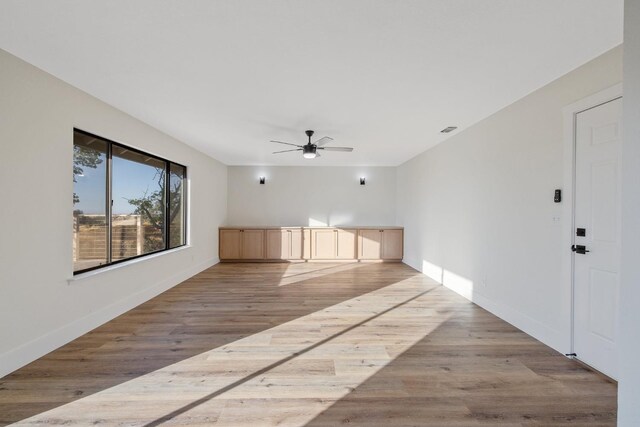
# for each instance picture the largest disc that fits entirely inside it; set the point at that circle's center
(570, 113)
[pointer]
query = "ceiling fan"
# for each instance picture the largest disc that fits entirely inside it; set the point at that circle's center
(310, 150)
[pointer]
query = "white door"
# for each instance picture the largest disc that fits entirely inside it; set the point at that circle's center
(597, 235)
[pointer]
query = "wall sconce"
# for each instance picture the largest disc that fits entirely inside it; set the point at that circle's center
(362, 181)
(262, 180)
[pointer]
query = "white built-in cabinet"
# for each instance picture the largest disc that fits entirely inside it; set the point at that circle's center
(309, 243)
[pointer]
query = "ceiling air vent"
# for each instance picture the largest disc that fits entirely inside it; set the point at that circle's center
(449, 129)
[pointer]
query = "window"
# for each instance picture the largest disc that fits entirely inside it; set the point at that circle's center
(126, 203)
(177, 211)
(138, 203)
(89, 202)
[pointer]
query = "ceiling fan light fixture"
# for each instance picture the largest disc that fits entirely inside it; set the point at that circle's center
(309, 151)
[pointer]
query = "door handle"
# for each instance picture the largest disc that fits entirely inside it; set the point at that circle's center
(579, 249)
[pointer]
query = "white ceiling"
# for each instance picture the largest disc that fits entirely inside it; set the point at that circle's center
(382, 76)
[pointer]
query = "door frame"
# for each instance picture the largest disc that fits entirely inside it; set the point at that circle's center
(570, 113)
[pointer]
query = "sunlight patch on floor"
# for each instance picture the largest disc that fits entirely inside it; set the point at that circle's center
(292, 274)
(285, 375)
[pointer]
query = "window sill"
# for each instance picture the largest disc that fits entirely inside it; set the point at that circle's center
(89, 274)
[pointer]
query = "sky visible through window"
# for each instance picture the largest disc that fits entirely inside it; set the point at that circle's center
(130, 182)
(90, 188)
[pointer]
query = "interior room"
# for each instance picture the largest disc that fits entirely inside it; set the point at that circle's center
(320, 213)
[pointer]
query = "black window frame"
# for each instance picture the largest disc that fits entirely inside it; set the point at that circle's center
(109, 202)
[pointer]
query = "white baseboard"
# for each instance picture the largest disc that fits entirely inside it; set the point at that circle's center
(27, 353)
(553, 338)
(414, 263)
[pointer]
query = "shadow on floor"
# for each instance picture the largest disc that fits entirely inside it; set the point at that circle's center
(260, 372)
(477, 370)
(221, 305)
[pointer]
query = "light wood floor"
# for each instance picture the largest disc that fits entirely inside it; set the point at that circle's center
(307, 344)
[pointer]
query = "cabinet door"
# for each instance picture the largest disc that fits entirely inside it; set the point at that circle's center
(323, 244)
(230, 242)
(392, 244)
(369, 244)
(277, 244)
(346, 244)
(252, 244)
(296, 242)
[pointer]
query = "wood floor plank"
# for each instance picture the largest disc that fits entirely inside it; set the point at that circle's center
(307, 344)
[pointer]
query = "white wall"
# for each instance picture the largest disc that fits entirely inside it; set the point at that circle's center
(311, 195)
(629, 381)
(478, 209)
(39, 309)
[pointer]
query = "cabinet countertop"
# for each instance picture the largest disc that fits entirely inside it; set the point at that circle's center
(311, 227)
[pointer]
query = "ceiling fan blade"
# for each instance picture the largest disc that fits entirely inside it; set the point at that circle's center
(322, 141)
(286, 151)
(286, 143)
(346, 149)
